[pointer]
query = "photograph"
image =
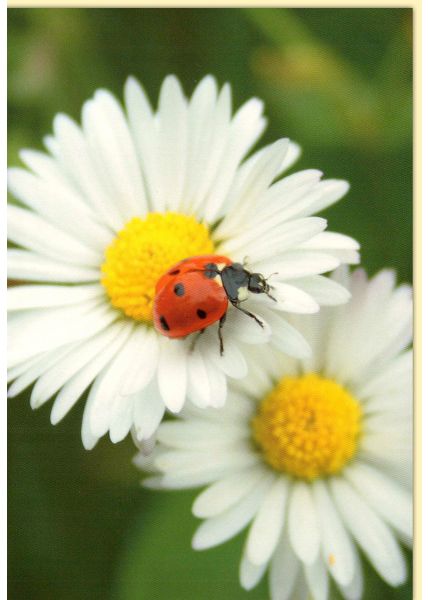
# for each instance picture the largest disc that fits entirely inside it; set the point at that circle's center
(210, 303)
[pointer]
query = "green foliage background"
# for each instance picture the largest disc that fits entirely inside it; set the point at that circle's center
(339, 82)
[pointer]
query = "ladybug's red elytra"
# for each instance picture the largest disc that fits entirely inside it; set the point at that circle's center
(196, 292)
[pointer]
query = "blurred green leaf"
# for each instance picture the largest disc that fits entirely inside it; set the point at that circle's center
(159, 562)
(325, 92)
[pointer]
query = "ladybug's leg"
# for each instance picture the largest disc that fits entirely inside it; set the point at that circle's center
(220, 336)
(236, 305)
(270, 296)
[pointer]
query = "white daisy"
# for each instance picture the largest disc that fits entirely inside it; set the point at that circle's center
(111, 207)
(314, 455)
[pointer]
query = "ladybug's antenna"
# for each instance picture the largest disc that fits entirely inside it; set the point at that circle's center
(271, 275)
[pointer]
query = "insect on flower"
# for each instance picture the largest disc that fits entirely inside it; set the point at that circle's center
(196, 292)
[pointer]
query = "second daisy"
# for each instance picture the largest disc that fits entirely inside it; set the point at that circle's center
(314, 455)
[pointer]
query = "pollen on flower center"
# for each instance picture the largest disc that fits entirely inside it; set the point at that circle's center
(141, 253)
(307, 426)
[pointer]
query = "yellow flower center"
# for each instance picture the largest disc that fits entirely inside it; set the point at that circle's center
(143, 251)
(307, 426)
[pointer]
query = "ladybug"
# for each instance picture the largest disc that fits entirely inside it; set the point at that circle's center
(196, 292)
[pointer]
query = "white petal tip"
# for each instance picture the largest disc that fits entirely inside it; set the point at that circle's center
(55, 419)
(35, 403)
(115, 438)
(198, 545)
(173, 408)
(131, 81)
(197, 512)
(247, 585)
(153, 483)
(60, 120)
(89, 445)
(345, 297)
(295, 152)
(254, 558)
(171, 80)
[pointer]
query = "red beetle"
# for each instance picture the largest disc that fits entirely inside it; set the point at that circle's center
(196, 292)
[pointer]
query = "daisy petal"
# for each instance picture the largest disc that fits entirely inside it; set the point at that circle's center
(199, 382)
(267, 526)
(329, 240)
(215, 148)
(354, 590)
(143, 131)
(117, 172)
(398, 371)
(218, 529)
(292, 299)
(245, 128)
(119, 154)
(22, 367)
(249, 574)
(296, 264)
(121, 419)
(242, 327)
(285, 337)
(76, 155)
(42, 364)
(63, 370)
(25, 265)
(24, 297)
(74, 388)
(336, 545)
(172, 461)
(172, 145)
(200, 435)
(304, 523)
(172, 374)
(108, 387)
(374, 537)
(223, 494)
(231, 362)
(49, 329)
(325, 291)
(145, 361)
(56, 200)
(293, 154)
(89, 440)
(387, 498)
(207, 469)
(252, 180)
(317, 579)
(148, 411)
(202, 107)
(27, 229)
(284, 570)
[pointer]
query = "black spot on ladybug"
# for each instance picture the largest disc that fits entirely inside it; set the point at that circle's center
(179, 289)
(175, 272)
(201, 313)
(164, 323)
(210, 270)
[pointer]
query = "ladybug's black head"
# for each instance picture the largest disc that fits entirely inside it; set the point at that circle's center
(258, 284)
